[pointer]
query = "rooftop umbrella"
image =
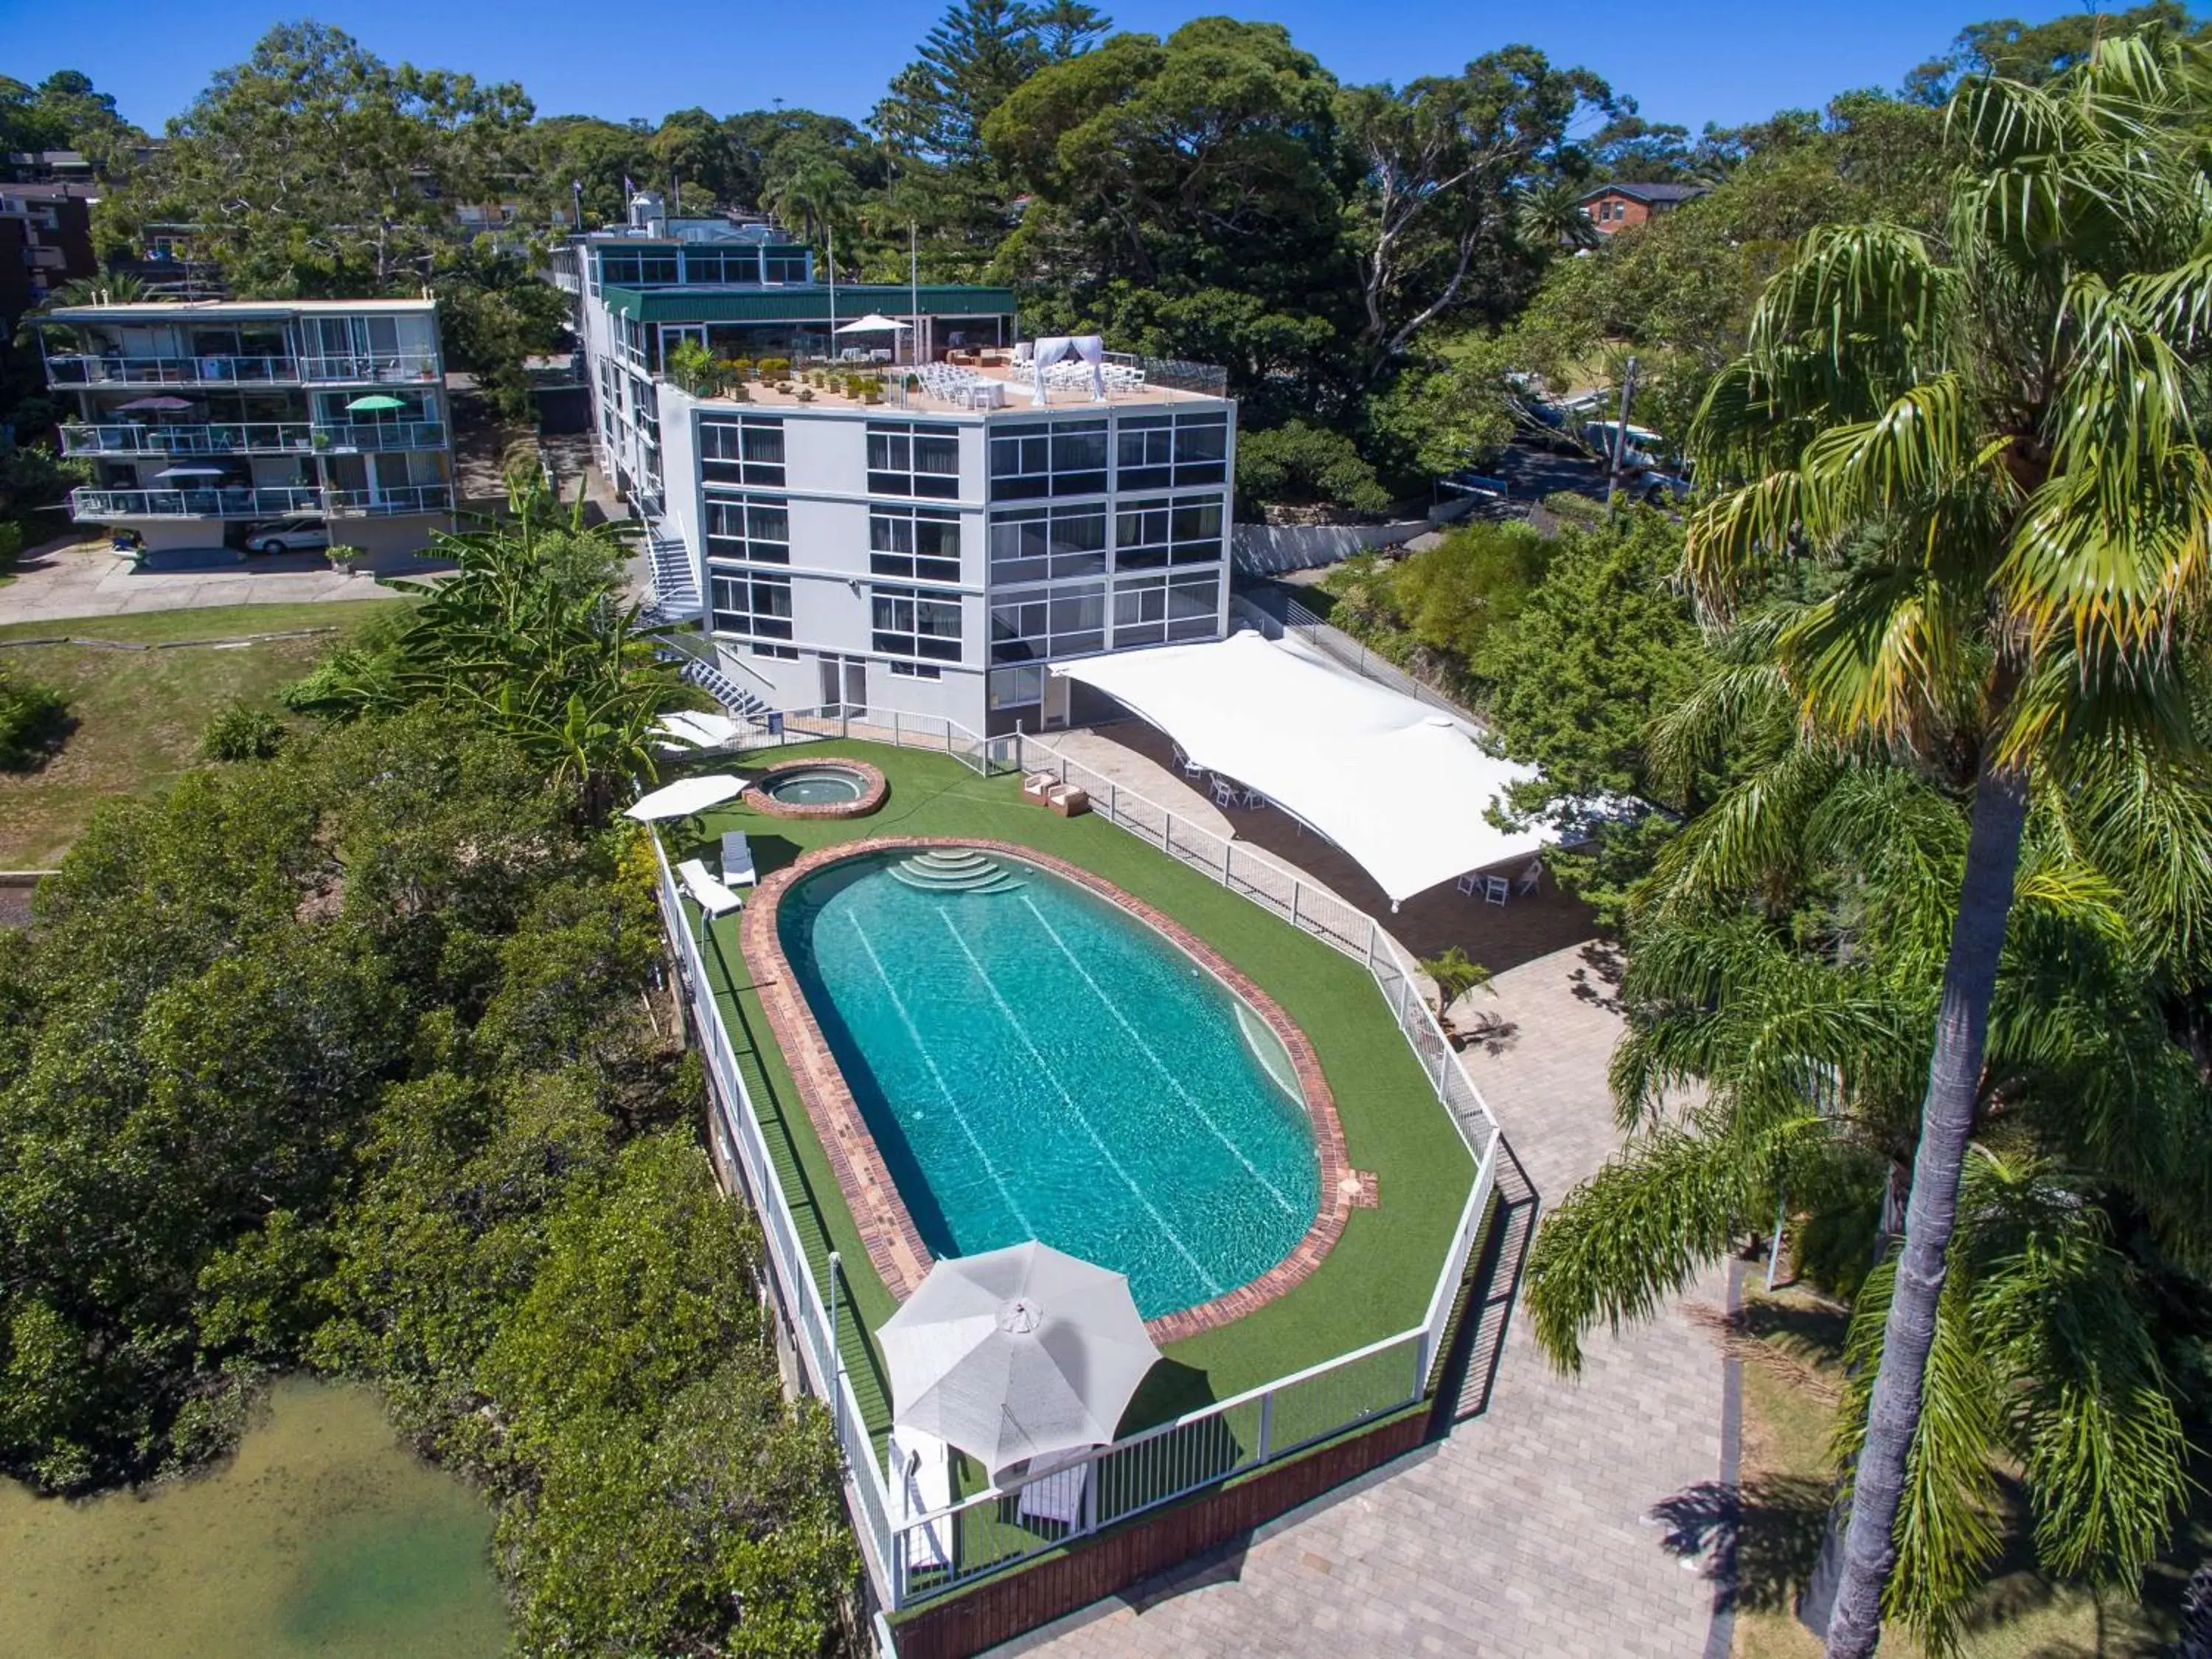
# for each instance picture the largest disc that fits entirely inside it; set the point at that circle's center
(1016, 1355)
(164, 405)
(685, 797)
(873, 323)
(190, 471)
(376, 401)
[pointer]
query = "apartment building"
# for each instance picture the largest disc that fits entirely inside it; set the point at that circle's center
(921, 534)
(207, 423)
(46, 242)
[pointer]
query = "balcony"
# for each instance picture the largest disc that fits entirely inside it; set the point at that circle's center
(390, 502)
(232, 501)
(115, 369)
(377, 368)
(384, 434)
(231, 438)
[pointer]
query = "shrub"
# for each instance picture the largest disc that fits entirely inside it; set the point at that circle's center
(240, 733)
(33, 718)
(11, 544)
(1304, 464)
(1455, 974)
(774, 369)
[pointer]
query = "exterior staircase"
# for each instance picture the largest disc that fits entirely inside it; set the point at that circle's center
(955, 870)
(675, 600)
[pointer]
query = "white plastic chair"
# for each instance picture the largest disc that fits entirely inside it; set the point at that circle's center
(1056, 1497)
(712, 896)
(1468, 882)
(1532, 878)
(737, 859)
(1224, 793)
(1496, 890)
(921, 1484)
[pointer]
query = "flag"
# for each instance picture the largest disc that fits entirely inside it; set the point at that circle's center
(628, 189)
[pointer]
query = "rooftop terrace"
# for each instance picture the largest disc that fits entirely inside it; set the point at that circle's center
(967, 387)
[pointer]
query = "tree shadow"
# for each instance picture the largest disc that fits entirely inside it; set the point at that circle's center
(1757, 1541)
(1597, 982)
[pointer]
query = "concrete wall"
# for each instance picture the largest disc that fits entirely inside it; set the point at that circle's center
(1260, 550)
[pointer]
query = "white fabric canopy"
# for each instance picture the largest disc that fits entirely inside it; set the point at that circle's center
(684, 797)
(1402, 788)
(1091, 348)
(1016, 1356)
(874, 323)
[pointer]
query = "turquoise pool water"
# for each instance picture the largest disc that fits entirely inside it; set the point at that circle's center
(817, 786)
(1036, 1063)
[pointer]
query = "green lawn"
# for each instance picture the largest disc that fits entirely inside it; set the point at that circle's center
(1378, 1279)
(138, 713)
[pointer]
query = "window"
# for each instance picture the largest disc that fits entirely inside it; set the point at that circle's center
(786, 264)
(637, 267)
(1051, 623)
(1185, 530)
(782, 652)
(745, 529)
(914, 544)
(746, 451)
(1040, 544)
(753, 604)
(916, 622)
(1064, 457)
(721, 267)
(916, 670)
(1015, 687)
(906, 459)
(1156, 609)
(1157, 451)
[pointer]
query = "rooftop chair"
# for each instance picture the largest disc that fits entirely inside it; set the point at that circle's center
(921, 1484)
(1056, 1497)
(737, 859)
(712, 897)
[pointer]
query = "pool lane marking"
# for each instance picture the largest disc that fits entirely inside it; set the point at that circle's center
(1161, 1066)
(922, 1048)
(1114, 1163)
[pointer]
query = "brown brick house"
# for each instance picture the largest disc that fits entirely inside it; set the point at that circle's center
(1616, 207)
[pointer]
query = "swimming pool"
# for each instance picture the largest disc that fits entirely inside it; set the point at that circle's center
(1033, 1062)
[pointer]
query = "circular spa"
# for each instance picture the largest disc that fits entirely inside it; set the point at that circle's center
(817, 789)
(1034, 1060)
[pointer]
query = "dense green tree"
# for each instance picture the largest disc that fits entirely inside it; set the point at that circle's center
(494, 313)
(2037, 52)
(64, 111)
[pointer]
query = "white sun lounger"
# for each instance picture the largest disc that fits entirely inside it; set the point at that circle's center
(737, 859)
(714, 898)
(1057, 1497)
(921, 1484)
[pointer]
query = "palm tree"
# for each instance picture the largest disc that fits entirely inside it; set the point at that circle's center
(1989, 437)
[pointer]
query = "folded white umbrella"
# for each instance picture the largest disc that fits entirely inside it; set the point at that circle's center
(702, 731)
(681, 799)
(1016, 1355)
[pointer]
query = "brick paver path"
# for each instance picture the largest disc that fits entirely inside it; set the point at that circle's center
(1521, 1534)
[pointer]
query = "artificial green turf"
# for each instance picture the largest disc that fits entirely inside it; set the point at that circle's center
(1377, 1280)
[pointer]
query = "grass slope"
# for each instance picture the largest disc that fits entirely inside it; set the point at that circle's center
(1377, 1280)
(138, 713)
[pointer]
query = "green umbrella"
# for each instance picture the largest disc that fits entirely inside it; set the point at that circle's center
(376, 400)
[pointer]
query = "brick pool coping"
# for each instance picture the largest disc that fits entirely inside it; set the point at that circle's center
(875, 787)
(886, 1228)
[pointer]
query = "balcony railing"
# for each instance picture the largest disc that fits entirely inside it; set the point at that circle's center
(230, 501)
(388, 501)
(229, 438)
(385, 434)
(382, 368)
(106, 369)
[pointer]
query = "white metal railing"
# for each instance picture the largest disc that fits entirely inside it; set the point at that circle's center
(228, 502)
(222, 438)
(383, 435)
(115, 368)
(382, 366)
(917, 1558)
(931, 732)
(392, 499)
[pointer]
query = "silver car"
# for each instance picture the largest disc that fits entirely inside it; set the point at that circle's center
(288, 536)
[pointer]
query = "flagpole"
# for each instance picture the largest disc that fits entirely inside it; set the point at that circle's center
(913, 287)
(829, 239)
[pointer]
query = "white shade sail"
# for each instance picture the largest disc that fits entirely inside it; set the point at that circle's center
(681, 799)
(1016, 1356)
(1400, 787)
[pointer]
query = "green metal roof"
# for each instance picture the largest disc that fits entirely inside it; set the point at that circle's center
(803, 305)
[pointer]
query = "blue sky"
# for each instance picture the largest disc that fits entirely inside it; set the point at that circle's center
(1691, 61)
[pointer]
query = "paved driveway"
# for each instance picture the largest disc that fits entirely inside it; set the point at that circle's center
(1523, 1534)
(87, 580)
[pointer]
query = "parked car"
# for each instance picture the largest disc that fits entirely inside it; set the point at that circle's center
(288, 536)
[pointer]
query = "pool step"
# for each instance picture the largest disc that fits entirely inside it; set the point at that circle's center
(955, 870)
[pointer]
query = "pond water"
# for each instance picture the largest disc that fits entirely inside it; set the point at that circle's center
(324, 1536)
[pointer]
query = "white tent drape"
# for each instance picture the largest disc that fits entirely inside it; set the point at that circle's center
(1091, 348)
(1400, 786)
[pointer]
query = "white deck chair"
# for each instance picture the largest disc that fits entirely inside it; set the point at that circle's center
(737, 859)
(1468, 882)
(1057, 1497)
(1224, 793)
(921, 1484)
(1496, 890)
(714, 898)
(1532, 878)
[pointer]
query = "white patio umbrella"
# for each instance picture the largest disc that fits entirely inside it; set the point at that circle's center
(701, 730)
(1016, 1355)
(874, 323)
(684, 797)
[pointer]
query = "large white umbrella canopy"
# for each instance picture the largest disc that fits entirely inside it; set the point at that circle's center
(1016, 1355)
(684, 797)
(874, 323)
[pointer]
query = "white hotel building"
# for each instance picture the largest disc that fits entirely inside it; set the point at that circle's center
(926, 554)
